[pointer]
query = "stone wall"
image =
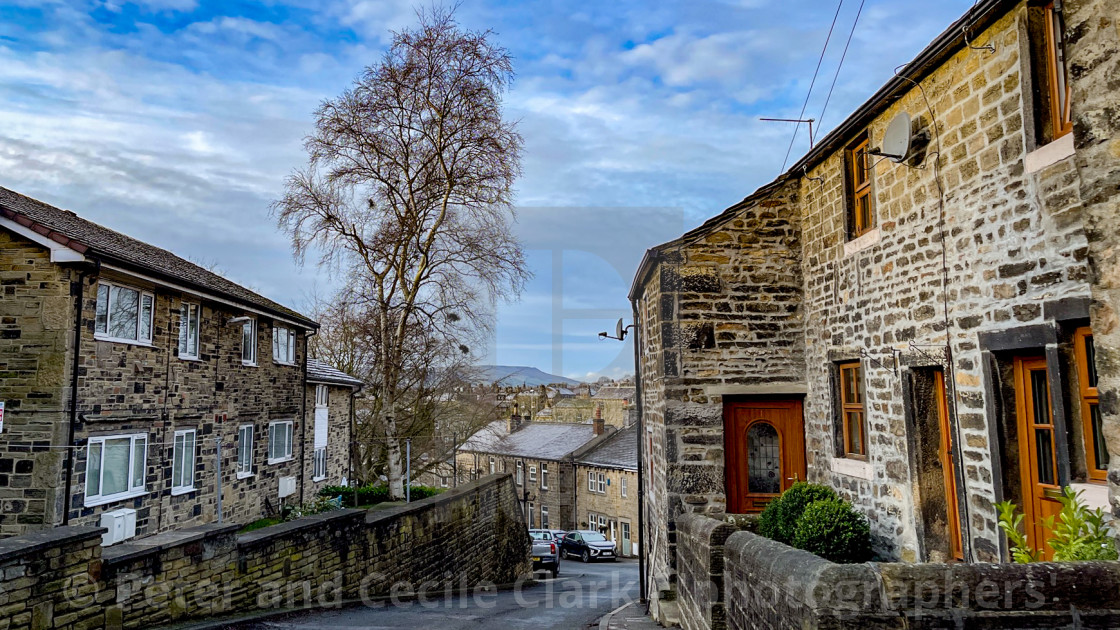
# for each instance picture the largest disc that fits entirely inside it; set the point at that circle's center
(338, 440)
(36, 329)
(1093, 48)
(461, 539)
(700, 582)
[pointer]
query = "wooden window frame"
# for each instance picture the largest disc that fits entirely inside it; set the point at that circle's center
(1089, 396)
(859, 185)
(857, 407)
(1061, 121)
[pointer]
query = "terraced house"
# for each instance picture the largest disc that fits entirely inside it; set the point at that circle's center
(124, 369)
(907, 314)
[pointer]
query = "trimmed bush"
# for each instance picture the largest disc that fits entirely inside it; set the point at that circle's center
(371, 494)
(833, 530)
(779, 520)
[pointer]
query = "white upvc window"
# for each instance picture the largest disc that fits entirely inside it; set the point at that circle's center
(544, 517)
(493, 466)
(188, 330)
(590, 481)
(284, 345)
(245, 451)
(115, 468)
(279, 441)
(602, 483)
(544, 476)
(590, 520)
(249, 341)
(443, 481)
(622, 486)
(320, 472)
(532, 474)
(123, 314)
(182, 461)
(322, 396)
(531, 510)
(603, 524)
(520, 473)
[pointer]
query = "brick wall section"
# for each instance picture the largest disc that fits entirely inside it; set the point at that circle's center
(771, 585)
(470, 536)
(36, 324)
(1093, 50)
(700, 571)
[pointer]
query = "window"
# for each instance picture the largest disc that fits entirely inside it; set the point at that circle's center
(590, 481)
(123, 314)
(279, 441)
(188, 330)
(182, 462)
(602, 483)
(115, 468)
(283, 345)
(1096, 451)
(602, 523)
(493, 466)
(245, 451)
(249, 342)
(531, 510)
(544, 517)
(853, 418)
(320, 461)
(590, 520)
(443, 481)
(1056, 90)
(322, 418)
(520, 473)
(622, 486)
(861, 214)
(544, 476)
(532, 474)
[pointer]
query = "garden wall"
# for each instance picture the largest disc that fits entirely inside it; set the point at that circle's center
(766, 584)
(62, 578)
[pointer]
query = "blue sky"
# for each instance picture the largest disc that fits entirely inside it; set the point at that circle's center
(175, 121)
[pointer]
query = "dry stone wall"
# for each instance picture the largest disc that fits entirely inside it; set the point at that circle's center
(464, 538)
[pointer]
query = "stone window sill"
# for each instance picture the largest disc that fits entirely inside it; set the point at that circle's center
(1048, 154)
(852, 468)
(131, 342)
(244, 475)
(113, 498)
(1095, 495)
(865, 240)
(318, 479)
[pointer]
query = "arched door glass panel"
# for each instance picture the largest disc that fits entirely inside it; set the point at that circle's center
(764, 459)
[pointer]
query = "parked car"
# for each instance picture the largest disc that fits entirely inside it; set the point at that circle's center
(587, 545)
(546, 551)
(558, 535)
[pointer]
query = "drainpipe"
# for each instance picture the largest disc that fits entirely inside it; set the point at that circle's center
(303, 414)
(350, 441)
(642, 546)
(79, 295)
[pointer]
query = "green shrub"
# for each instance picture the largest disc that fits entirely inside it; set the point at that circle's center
(372, 495)
(833, 530)
(1078, 533)
(779, 520)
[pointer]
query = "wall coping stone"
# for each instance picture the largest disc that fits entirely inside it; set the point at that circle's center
(396, 511)
(40, 540)
(266, 535)
(153, 545)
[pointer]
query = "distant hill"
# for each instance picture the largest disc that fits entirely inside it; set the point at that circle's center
(516, 375)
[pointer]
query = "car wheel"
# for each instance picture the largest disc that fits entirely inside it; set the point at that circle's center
(586, 557)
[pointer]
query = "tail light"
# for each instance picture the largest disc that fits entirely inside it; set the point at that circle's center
(552, 547)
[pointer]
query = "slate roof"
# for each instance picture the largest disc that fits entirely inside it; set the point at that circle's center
(545, 440)
(616, 393)
(322, 372)
(618, 451)
(111, 246)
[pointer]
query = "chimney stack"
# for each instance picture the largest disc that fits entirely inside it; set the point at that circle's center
(514, 421)
(597, 423)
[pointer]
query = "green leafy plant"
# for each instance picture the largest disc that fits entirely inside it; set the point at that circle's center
(779, 520)
(1077, 533)
(372, 495)
(835, 531)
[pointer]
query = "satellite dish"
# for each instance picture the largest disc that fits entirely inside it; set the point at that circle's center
(896, 140)
(618, 329)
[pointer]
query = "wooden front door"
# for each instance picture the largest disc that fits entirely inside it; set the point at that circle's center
(765, 446)
(948, 466)
(1038, 466)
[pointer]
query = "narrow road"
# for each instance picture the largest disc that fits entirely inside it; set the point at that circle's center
(577, 599)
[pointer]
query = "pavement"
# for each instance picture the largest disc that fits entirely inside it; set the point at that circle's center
(631, 616)
(579, 599)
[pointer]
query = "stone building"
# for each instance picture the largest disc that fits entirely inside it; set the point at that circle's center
(913, 330)
(329, 421)
(607, 489)
(122, 367)
(541, 458)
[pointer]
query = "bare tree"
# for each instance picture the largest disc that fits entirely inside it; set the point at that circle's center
(409, 189)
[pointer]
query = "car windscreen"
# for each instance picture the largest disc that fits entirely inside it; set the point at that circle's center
(540, 536)
(594, 537)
